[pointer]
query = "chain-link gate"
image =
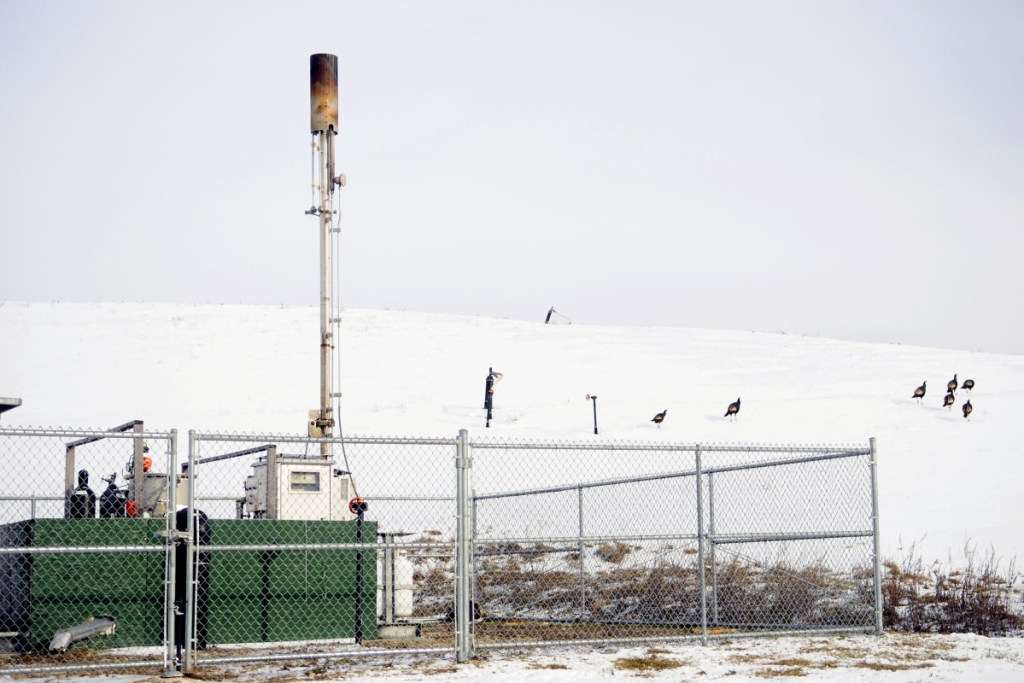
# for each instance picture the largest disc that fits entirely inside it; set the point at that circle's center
(605, 542)
(85, 576)
(346, 547)
(324, 549)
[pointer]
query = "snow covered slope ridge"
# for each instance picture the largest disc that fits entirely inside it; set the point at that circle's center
(944, 480)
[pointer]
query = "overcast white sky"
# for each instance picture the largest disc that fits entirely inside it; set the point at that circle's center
(842, 169)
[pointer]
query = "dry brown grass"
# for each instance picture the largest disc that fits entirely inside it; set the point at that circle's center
(614, 552)
(889, 666)
(647, 663)
(979, 597)
(780, 673)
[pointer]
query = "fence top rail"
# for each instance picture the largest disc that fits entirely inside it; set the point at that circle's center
(347, 440)
(497, 443)
(86, 435)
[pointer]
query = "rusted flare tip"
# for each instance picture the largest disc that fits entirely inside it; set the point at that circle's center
(323, 93)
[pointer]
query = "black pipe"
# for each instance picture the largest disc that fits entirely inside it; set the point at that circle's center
(593, 397)
(359, 576)
(489, 394)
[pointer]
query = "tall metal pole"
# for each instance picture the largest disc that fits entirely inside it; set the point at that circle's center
(323, 88)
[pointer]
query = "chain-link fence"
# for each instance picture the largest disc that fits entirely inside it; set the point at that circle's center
(84, 576)
(301, 548)
(601, 542)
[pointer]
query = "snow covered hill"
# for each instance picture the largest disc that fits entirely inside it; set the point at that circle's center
(944, 480)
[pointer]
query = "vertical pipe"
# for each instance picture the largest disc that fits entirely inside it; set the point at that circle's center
(877, 548)
(190, 567)
(273, 485)
(463, 544)
(138, 470)
(326, 145)
(359, 576)
(711, 547)
(170, 563)
(388, 567)
(700, 549)
(69, 479)
(32, 506)
(583, 583)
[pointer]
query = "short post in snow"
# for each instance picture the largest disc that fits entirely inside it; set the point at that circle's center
(593, 397)
(492, 379)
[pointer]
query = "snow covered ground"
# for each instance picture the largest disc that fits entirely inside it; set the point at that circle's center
(891, 658)
(944, 481)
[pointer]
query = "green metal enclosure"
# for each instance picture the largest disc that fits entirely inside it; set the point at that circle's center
(252, 596)
(287, 595)
(50, 592)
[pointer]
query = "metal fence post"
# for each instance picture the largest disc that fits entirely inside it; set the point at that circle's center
(583, 584)
(475, 572)
(464, 546)
(877, 548)
(700, 548)
(711, 548)
(171, 663)
(190, 592)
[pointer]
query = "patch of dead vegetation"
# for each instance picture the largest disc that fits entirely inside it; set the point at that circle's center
(613, 552)
(780, 673)
(891, 666)
(647, 663)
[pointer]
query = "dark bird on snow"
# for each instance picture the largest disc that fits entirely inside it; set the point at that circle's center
(919, 392)
(732, 409)
(967, 385)
(949, 401)
(659, 418)
(951, 384)
(968, 408)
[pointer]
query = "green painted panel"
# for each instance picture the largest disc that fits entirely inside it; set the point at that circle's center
(253, 596)
(67, 589)
(276, 595)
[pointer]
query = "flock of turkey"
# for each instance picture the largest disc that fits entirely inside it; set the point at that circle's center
(730, 412)
(950, 399)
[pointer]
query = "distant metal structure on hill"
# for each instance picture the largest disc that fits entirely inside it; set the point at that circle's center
(8, 404)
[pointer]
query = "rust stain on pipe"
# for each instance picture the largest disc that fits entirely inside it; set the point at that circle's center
(323, 93)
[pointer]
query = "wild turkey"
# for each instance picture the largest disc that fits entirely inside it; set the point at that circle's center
(951, 385)
(968, 409)
(919, 392)
(968, 385)
(949, 401)
(659, 418)
(733, 409)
